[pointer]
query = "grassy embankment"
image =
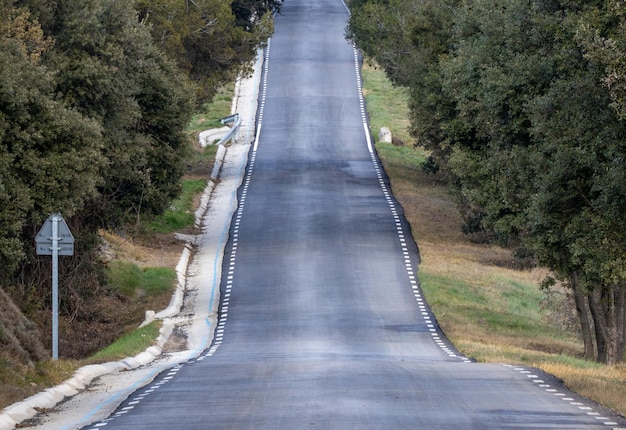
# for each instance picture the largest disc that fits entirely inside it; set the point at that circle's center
(490, 311)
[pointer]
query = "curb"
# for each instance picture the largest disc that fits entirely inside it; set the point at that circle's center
(49, 398)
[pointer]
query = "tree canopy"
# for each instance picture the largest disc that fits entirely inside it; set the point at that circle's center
(109, 70)
(522, 105)
(210, 40)
(50, 155)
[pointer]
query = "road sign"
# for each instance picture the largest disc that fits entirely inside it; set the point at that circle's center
(55, 238)
(44, 239)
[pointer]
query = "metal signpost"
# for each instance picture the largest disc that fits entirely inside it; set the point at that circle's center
(55, 238)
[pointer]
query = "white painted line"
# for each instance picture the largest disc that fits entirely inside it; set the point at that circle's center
(367, 137)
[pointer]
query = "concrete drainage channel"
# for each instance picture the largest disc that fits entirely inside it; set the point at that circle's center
(219, 201)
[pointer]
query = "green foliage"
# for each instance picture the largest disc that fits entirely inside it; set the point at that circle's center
(522, 104)
(93, 114)
(249, 13)
(605, 43)
(109, 69)
(205, 38)
(385, 35)
(430, 165)
(49, 153)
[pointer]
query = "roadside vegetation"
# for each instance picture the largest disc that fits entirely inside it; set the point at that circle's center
(129, 344)
(139, 273)
(96, 99)
(521, 104)
(491, 308)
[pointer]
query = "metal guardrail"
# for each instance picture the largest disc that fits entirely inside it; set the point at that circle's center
(229, 119)
(232, 119)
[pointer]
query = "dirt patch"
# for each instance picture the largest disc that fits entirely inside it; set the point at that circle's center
(177, 341)
(157, 250)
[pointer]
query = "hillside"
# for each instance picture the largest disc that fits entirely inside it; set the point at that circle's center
(19, 337)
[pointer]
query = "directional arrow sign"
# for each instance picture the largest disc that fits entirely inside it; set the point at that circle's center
(44, 238)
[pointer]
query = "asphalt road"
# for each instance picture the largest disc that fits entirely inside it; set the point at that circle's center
(322, 323)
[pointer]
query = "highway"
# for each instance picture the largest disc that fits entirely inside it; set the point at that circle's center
(322, 323)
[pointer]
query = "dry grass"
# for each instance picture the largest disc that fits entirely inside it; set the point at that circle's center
(606, 385)
(158, 250)
(490, 311)
(124, 249)
(24, 381)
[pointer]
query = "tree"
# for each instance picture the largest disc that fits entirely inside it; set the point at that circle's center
(584, 144)
(408, 38)
(605, 43)
(249, 13)
(522, 103)
(545, 137)
(109, 69)
(205, 39)
(49, 154)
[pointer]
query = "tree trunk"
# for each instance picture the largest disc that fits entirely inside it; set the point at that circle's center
(620, 308)
(612, 338)
(599, 323)
(582, 309)
(604, 306)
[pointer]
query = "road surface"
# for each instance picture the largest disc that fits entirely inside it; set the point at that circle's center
(322, 323)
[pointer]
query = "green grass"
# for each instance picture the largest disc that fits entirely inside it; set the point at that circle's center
(130, 344)
(387, 105)
(401, 156)
(181, 213)
(211, 113)
(130, 280)
(505, 309)
(202, 155)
